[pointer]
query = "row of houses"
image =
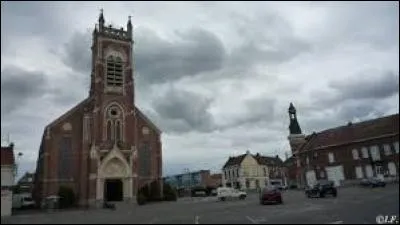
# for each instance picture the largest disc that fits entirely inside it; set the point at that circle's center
(344, 154)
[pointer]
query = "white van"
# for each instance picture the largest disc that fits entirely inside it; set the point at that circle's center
(23, 200)
(224, 193)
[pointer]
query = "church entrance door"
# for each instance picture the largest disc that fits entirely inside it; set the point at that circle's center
(113, 190)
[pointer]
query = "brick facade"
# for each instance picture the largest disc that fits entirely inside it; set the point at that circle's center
(333, 148)
(87, 127)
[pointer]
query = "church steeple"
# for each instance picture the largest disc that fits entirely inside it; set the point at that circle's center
(101, 20)
(294, 126)
(129, 27)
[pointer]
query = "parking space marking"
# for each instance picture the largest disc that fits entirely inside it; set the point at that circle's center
(251, 220)
(196, 220)
(337, 222)
(155, 219)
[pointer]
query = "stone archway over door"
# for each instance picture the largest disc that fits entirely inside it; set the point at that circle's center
(113, 170)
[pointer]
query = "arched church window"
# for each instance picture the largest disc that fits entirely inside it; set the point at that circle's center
(118, 130)
(114, 117)
(109, 130)
(114, 71)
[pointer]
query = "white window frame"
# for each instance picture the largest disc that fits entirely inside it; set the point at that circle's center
(359, 172)
(375, 153)
(331, 157)
(355, 154)
(365, 153)
(387, 150)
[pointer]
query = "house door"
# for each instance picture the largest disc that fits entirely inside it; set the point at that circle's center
(311, 177)
(335, 174)
(369, 171)
(392, 169)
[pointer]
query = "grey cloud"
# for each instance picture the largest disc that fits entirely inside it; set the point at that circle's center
(182, 110)
(258, 112)
(158, 60)
(340, 114)
(77, 53)
(19, 86)
(379, 28)
(362, 86)
(268, 39)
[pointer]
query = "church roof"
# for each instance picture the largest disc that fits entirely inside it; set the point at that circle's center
(145, 118)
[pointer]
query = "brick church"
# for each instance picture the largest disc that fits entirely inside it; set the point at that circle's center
(104, 148)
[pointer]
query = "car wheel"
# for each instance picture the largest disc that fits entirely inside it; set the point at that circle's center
(222, 198)
(242, 197)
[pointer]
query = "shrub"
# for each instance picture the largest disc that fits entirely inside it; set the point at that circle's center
(140, 199)
(67, 197)
(169, 193)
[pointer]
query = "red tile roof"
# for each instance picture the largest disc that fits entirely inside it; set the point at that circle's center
(7, 156)
(384, 126)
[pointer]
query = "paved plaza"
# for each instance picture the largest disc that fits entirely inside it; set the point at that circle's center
(353, 205)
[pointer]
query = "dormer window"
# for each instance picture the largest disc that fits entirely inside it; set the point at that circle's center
(114, 71)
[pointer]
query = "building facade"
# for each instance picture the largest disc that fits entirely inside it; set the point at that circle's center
(25, 183)
(8, 169)
(348, 153)
(189, 180)
(251, 172)
(104, 148)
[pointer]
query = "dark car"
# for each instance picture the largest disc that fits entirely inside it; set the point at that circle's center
(372, 182)
(321, 189)
(271, 194)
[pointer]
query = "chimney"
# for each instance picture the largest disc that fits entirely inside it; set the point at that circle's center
(349, 123)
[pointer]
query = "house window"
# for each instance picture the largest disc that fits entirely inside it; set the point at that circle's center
(322, 174)
(375, 153)
(364, 151)
(386, 149)
(331, 157)
(396, 147)
(114, 71)
(355, 154)
(359, 172)
(307, 160)
(392, 168)
(265, 171)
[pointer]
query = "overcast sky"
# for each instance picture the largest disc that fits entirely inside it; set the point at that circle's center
(216, 77)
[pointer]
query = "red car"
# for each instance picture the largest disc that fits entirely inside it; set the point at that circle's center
(271, 194)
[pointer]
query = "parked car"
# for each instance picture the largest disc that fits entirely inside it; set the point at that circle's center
(321, 189)
(270, 194)
(373, 182)
(23, 200)
(225, 193)
(278, 184)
